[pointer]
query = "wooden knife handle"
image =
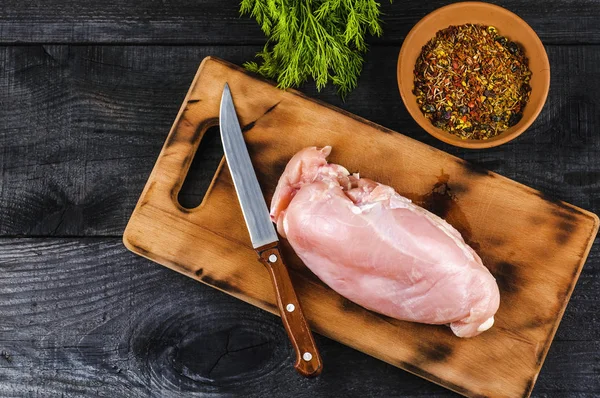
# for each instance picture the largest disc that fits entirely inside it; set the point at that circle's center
(308, 361)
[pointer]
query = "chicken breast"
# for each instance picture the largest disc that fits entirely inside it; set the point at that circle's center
(379, 250)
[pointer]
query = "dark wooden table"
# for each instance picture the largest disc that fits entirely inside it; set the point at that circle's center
(88, 92)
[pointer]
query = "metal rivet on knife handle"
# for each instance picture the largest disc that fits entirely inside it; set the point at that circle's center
(308, 361)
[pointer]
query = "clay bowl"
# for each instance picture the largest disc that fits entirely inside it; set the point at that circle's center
(508, 25)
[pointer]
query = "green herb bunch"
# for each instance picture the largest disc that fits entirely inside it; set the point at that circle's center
(322, 39)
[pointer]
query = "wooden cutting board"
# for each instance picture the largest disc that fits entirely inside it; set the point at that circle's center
(534, 246)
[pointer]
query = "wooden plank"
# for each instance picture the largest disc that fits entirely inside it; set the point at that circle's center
(84, 317)
(77, 143)
(218, 22)
(535, 247)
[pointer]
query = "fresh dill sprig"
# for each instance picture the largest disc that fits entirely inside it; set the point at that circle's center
(322, 39)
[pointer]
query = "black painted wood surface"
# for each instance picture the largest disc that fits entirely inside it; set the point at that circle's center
(218, 21)
(82, 119)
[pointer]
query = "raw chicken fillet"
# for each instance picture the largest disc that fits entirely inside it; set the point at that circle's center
(379, 250)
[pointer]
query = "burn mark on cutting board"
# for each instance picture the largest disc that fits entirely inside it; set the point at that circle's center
(565, 216)
(475, 170)
(565, 227)
(279, 166)
(348, 306)
(436, 352)
(351, 307)
(385, 318)
(564, 210)
(548, 198)
(529, 386)
(565, 230)
(507, 276)
(199, 272)
(537, 220)
(271, 108)
(180, 135)
(257, 147)
(149, 191)
(139, 249)
(251, 125)
(187, 160)
(535, 322)
(270, 306)
(442, 201)
(185, 210)
(561, 296)
(441, 198)
(220, 284)
(459, 189)
(409, 367)
(496, 241)
(562, 238)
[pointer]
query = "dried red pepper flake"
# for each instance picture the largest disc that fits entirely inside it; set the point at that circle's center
(471, 81)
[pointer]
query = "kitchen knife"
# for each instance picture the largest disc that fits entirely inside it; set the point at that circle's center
(264, 238)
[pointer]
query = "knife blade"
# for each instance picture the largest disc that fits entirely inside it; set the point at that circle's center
(264, 238)
(244, 178)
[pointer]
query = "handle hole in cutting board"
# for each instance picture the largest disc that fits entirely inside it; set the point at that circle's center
(203, 168)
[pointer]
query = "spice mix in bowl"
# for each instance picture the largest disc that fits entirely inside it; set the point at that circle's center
(473, 74)
(472, 82)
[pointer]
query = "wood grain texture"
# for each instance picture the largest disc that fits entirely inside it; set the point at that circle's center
(535, 247)
(85, 317)
(77, 144)
(218, 21)
(77, 141)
